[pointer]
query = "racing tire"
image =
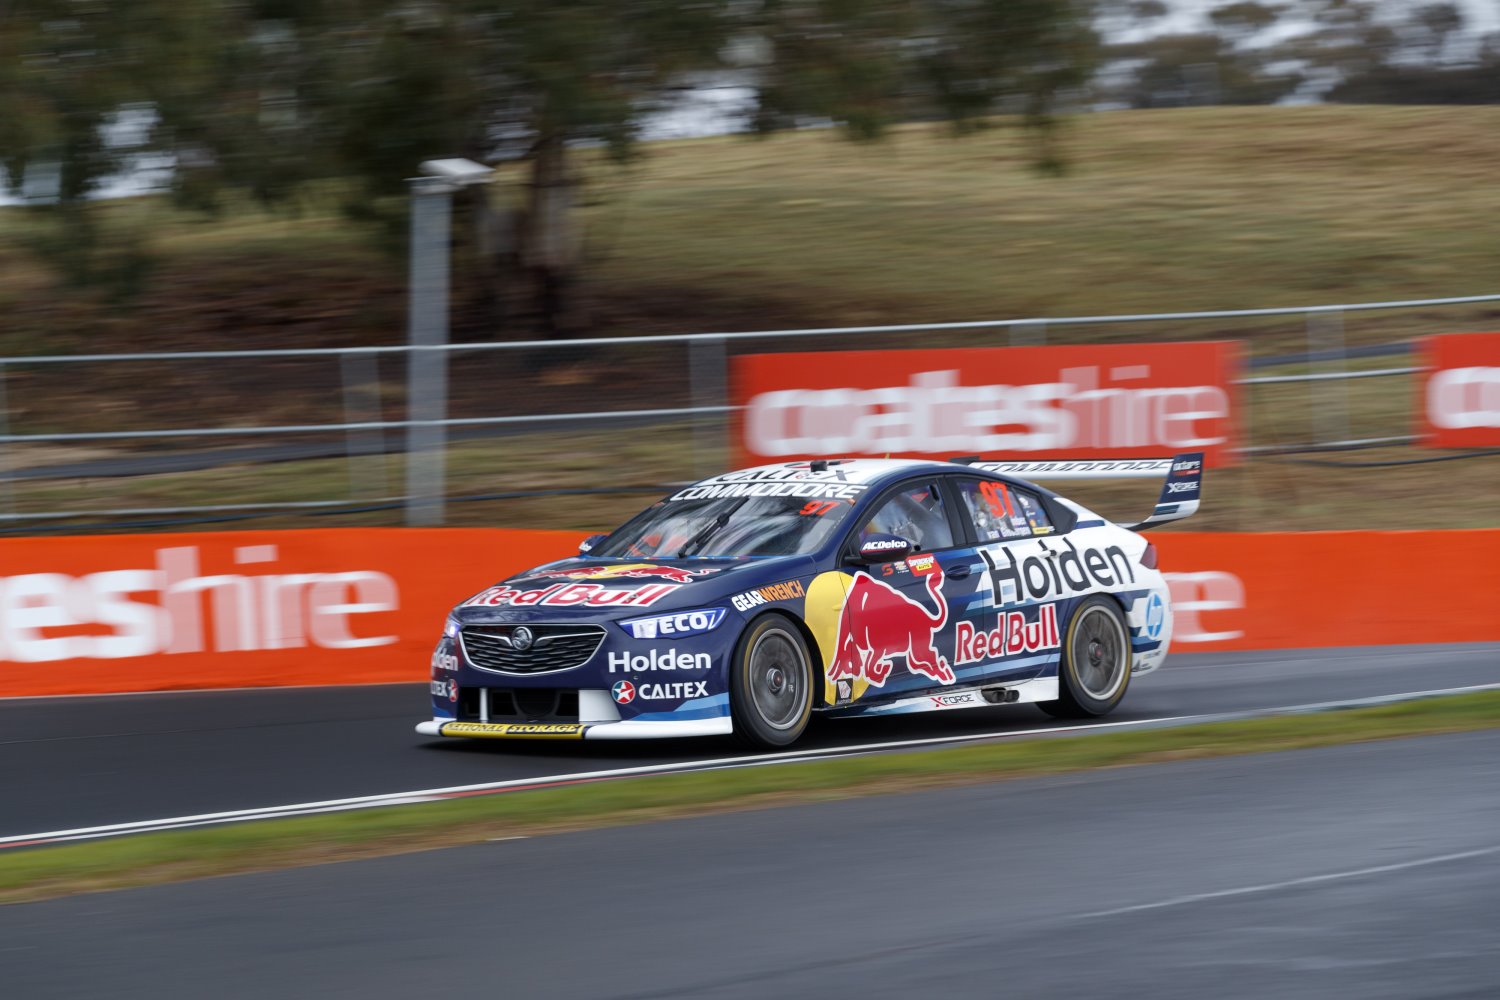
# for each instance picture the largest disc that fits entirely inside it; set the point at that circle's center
(1094, 670)
(771, 684)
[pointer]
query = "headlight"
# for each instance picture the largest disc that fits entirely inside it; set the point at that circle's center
(675, 626)
(450, 627)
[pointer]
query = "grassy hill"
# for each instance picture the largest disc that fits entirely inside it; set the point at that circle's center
(1181, 210)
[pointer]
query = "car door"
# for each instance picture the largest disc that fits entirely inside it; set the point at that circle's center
(896, 629)
(1023, 639)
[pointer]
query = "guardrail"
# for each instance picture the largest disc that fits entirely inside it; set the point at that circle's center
(707, 368)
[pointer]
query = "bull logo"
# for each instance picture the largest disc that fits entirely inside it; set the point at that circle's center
(629, 571)
(879, 623)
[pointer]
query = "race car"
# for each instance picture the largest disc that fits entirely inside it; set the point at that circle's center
(745, 603)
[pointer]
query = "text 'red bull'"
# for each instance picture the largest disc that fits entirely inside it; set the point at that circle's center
(566, 595)
(878, 622)
(1013, 636)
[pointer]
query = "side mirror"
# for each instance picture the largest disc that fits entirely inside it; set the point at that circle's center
(587, 545)
(884, 549)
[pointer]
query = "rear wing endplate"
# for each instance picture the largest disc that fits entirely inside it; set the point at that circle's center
(1180, 492)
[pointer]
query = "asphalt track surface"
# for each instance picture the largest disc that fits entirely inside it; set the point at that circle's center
(1366, 871)
(80, 762)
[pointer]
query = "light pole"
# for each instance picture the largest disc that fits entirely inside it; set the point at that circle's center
(427, 333)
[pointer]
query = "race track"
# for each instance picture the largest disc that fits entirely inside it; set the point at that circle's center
(80, 762)
(1359, 871)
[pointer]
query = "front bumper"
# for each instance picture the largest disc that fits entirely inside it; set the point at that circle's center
(633, 729)
(619, 688)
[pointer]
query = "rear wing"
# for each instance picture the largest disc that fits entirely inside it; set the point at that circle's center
(1180, 492)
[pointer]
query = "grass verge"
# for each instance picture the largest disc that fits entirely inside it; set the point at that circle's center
(164, 857)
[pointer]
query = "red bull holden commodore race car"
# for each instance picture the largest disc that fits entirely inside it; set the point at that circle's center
(749, 601)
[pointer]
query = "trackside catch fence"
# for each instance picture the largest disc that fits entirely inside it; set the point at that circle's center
(408, 426)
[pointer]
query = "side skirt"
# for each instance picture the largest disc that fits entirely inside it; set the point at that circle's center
(980, 696)
(631, 730)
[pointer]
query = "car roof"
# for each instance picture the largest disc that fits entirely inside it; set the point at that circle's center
(866, 472)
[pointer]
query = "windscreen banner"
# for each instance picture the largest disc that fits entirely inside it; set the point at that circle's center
(1459, 399)
(1072, 401)
(99, 615)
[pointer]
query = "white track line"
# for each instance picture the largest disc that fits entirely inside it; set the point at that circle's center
(1371, 702)
(1251, 890)
(789, 756)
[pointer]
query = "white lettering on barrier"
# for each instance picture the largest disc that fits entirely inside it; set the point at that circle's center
(172, 609)
(933, 413)
(136, 626)
(329, 610)
(1196, 593)
(1459, 398)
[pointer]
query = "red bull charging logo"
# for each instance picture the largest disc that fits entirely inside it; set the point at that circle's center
(572, 595)
(879, 623)
(629, 571)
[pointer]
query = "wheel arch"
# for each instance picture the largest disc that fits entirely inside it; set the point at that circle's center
(818, 660)
(1078, 604)
(1079, 600)
(750, 723)
(1075, 704)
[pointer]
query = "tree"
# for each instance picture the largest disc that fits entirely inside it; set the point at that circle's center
(1347, 37)
(1374, 57)
(1198, 69)
(1227, 64)
(213, 88)
(66, 72)
(1243, 19)
(267, 96)
(865, 65)
(1434, 25)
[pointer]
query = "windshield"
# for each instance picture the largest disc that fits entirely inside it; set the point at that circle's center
(727, 528)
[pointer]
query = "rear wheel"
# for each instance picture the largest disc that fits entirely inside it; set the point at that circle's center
(1096, 662)
(771, 684)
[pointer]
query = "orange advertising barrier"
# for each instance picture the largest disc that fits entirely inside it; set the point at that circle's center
(346, 606)
(1066, 401)
(1285, 590)
(242, 609)
(1459, 406)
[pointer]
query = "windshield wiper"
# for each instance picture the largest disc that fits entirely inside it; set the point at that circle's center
(712, 528)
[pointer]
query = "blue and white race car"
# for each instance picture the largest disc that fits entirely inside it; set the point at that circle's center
(749, 601)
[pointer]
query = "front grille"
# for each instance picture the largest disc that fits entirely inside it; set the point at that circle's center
(552, 647)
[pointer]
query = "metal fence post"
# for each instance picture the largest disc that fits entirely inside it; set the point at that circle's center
(1330, 414)
(1246, 429)
(1028, 333)
(427, 363)
(708, 374)
(7, 490)
(360, 375)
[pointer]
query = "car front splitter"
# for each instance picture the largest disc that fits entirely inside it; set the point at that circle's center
(627, 730)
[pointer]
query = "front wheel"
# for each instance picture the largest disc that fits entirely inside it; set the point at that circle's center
(1096, 662)
(771, 684)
